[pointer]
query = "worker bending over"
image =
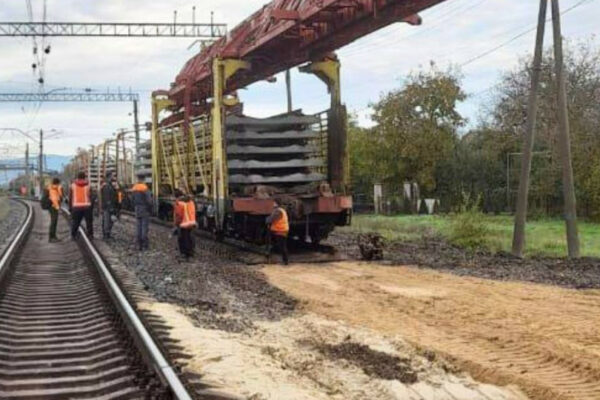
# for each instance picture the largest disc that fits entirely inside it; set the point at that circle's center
(185, 221)
(80, 203)
(279, 228)
(55, 194)
(142, 202)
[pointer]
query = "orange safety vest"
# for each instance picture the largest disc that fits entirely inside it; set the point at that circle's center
(119, 196)
(189, 214)
(282, 225)
(55, 194)
(80, 196)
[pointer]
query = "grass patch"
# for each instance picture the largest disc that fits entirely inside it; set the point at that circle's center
(544, 237)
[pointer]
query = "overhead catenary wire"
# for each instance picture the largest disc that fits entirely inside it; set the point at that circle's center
(518, 36)
(482, 55)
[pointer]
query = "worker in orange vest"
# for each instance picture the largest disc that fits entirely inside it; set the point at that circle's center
(184, 216)
(279, 228)
(55, 194)
(80, 203)
(142, 203)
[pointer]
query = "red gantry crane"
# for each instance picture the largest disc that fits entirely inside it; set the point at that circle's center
(281, 35)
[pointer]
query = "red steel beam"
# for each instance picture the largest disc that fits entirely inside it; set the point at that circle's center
(287, 33)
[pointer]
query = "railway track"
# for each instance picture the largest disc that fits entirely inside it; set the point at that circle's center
(68, 330)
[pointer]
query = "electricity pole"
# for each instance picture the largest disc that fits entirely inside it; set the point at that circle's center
(27, 177)
(288, 85)
(136, 127)
(521, 211)
(564, 139)
(41, 164)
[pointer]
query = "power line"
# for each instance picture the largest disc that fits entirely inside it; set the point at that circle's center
(518, 36)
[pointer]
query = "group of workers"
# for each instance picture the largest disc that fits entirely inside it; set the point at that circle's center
(81, 202)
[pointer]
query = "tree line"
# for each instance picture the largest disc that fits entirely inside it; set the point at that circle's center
(419, 136)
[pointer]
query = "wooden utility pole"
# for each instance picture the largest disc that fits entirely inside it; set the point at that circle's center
(564, 138)
(136, 127)
(288, 86)
(27, 176)
(41, 164)
(523, 194)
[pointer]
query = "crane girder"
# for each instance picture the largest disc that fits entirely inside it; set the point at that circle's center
(287, 33)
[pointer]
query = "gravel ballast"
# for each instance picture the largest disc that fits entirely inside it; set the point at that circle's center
(220, 293)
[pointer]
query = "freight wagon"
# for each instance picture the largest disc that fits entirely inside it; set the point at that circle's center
(284, 159)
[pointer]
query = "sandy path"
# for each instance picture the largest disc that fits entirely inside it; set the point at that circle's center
(276, 361)
(544, 339)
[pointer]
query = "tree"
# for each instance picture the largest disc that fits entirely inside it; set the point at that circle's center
(509, 114)
(417, 128)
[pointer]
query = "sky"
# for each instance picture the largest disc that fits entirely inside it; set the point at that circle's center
(459, 33)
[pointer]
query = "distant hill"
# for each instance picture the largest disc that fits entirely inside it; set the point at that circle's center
(53, 163)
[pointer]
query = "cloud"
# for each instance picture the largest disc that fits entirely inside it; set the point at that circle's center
(452, 33)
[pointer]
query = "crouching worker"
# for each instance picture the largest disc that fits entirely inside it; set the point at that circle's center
(80, 202)
(55, 194)
(279, 228)
(142, 202)
(185, 222)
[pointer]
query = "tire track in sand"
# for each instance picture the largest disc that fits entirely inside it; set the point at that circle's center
(544, 339)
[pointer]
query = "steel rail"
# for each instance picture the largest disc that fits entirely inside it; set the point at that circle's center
(162, 367)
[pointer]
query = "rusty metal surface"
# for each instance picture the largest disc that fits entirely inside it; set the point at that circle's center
(286, 33)
(60, 336)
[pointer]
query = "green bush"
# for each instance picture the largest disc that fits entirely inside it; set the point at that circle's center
(468, 228)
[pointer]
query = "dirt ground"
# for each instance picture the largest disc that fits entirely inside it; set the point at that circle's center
(544, 339)
(248, 337)
(306, 356)
(436, 253)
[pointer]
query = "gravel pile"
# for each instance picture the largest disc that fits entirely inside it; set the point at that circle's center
(438, 254)
(11, 222)
(221, 294)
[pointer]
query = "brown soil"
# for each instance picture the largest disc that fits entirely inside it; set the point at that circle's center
(244, 336)
(372, 362)
(436, 253)
(544, 339)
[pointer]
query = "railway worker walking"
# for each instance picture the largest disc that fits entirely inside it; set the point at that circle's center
(55, 194)
(142, 202)
(108, 198)
(279, 228)
(185, 221)
(80, 203)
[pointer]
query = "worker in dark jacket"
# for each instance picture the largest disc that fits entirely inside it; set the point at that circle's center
(279, 228)
(108, 201)
(184, 216)
(81, 205)
(142, 202)
(55, 194)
